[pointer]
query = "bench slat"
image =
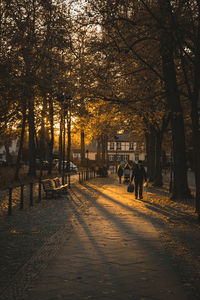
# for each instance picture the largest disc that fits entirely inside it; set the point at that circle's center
(51, 188)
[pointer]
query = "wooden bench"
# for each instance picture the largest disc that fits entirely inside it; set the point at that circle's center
(63, 187)
(50, 188)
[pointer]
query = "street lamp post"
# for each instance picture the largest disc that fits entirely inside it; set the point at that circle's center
(116, 139)
(171, 165)
(68, 98)
(87, 164)
(65, 104)
(61, 99)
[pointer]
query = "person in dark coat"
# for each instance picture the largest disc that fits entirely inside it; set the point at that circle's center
(120, 173)
(139, 175)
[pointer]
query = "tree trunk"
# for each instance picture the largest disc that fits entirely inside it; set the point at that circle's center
(180, 190)
(158, 180)
(158, 165)
(19, 155)
(68, 139)
(98, 151)
(60, 143)
(196, 127)
(106, 149)
(103, 149)
(195, 114)
(42, 151)
(32, 167)
(8, 155)
(82, 147)
(150, 149)
(51, 142)
(196, 145)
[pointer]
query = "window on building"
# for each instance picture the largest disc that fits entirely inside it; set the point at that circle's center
(131, 146)
(124, 158)
(118, 145)
(136, 157)
(111, 146)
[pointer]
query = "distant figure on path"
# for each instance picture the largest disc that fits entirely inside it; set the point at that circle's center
(120, 173)
(127, 173)
(139, 175)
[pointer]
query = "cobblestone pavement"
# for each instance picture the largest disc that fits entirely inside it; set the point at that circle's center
(30, 238)
(95, 243)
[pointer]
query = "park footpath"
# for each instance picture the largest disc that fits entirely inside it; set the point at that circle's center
(98, 242)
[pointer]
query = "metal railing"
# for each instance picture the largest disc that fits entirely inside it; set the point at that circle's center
(86, 175)
(23, 196)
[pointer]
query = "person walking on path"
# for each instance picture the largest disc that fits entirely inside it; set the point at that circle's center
(139, 175)
(126, 173)
(120, 173)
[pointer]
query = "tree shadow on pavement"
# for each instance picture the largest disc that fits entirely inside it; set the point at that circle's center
(171, 212)
(125, 229)
(178, 229)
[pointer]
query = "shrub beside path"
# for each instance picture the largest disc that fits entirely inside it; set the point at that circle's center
(102, 244)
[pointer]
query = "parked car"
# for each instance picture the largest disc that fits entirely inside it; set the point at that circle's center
(73, 167)
(43, 163)
(3, 163)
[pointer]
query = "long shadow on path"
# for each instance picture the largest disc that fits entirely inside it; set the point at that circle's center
(116, 219)
(167, 211)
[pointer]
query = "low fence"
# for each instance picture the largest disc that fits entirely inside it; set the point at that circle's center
(86, 175)
(21, 197)
(25, 196)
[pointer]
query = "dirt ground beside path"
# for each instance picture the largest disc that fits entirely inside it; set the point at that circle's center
(40, 232)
